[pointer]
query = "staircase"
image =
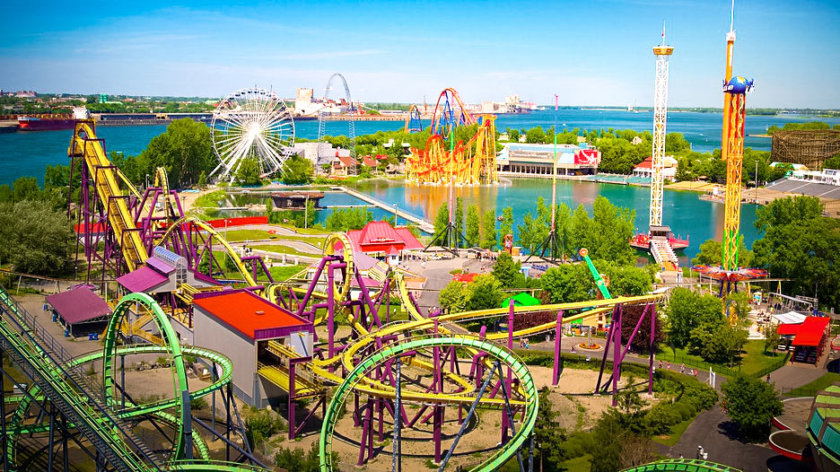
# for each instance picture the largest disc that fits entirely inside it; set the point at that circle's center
(44, 360)
(663, 254)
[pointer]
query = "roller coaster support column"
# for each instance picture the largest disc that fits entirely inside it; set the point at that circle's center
(438, 388)
(652, 348)
(507, 412)
(507, 380)
(3, 432)
(616, 374)
(610, 337)
(330, 310)
(558, 353)
(396, 455)
(470, 413)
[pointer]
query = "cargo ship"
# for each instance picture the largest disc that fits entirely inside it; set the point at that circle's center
(52, 122)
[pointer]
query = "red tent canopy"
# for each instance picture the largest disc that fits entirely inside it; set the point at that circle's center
(809, 333)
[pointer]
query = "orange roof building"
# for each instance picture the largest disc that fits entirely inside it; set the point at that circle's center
(250, 330)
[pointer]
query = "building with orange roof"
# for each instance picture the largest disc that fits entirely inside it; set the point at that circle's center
(257, 335)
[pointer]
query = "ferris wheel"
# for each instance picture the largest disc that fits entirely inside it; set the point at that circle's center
(251, 123)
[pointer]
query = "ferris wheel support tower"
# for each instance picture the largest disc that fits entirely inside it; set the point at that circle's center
(660, 114)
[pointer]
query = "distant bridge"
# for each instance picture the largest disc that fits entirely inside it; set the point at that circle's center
(424, 225)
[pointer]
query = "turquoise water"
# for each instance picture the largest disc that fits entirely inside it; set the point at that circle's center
(684, 212)
(30, 153)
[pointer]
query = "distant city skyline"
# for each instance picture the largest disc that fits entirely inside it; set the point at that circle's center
(589, 54)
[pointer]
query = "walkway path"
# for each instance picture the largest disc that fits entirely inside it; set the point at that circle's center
(424, 225)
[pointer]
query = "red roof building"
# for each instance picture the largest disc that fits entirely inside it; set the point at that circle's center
(808, 337)
(379, 237)
(369, 161)
(251, 316)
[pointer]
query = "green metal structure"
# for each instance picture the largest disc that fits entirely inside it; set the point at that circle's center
(519, 369)
(599, 281)
(100, 416)
(686, 465)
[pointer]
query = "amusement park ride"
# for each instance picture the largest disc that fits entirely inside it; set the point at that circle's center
(735, 89)
(659, 240)
(381, 378)
(470, 163)
(400, 379)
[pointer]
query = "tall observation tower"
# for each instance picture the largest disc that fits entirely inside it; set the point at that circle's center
(660, 113)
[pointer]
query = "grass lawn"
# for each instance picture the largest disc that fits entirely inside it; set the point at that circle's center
(753, 359)
(811, 389)
(281, 273)
(319, 231)
(676, 432)
(281, 249)
(578, 464)
(239, 235)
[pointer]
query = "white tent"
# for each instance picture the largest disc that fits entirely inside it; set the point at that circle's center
(791, 317)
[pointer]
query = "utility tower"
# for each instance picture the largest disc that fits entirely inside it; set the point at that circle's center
(660, 114)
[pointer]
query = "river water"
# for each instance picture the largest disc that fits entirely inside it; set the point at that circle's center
(684, 212)
(30, 153)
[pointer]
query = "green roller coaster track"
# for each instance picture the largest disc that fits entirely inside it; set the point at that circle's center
(686, 465)
(519, 369)
(101, 422)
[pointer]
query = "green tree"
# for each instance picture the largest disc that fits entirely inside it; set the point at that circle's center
(717, 341)
(505, 270)
(442, 219)
(36, 238)
(488, 224)
(802, 249)
(535, 135)
(298, 461)
(473, 227)
(453, 297)
(459, 220)
(581, 230)
(548, 434)
(506, 226)
(567, 283)
(484, 292)
(625, 280)
(532, 232)
(344, 219)
(751, 403)
(687, 310)
(513, 135)
(184, 150)
(613, 228)
(297, 170)
(202, 180)
(711, 253)
(609, 435)
(248, 172)
(785, 211)
(269, 205)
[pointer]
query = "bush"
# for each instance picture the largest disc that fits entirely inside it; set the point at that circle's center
(299, 461)
(262, 424)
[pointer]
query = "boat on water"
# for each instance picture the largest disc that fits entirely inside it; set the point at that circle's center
(52, 122)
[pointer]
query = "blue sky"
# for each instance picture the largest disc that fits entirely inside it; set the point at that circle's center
(589, 53)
